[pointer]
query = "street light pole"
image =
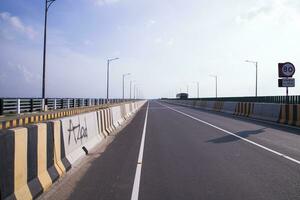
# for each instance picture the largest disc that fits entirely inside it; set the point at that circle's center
(216, 79)
(107, 78)
(256, 66)
(197, 82)
(124, 75)
(131, 81)
(48, 3)
(198, 90)
(134, 88)
(187, 89)
(256, 73)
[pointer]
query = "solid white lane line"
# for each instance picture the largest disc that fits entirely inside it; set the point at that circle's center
(230, 133)
(137, 178)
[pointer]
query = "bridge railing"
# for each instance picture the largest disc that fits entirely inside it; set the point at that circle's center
(261, 99)
(24, 105)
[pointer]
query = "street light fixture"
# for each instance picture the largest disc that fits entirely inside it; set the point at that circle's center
(107, 78)
(216, 78)
(123, 86)
(256, 66)
(48, 3)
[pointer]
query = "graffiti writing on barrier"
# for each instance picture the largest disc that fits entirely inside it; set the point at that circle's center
(78, 131)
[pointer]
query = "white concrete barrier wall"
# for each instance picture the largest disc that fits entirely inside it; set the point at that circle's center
(229, 107)
(140, 104)
(87, 130)
(210, 105)
(117, 117)
(127, 110)
(78, 132)
(198, 104)
(266, 111)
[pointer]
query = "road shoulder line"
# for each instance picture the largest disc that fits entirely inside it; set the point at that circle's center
(137, 178)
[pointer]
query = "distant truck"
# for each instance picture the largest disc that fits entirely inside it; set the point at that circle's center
(182, 96)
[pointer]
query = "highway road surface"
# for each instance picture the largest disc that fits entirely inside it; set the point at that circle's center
(172, 152)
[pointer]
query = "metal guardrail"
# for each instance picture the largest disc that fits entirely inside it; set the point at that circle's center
(24, 105)
(260, 99)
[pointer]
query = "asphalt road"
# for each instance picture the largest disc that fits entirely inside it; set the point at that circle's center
(191, 154)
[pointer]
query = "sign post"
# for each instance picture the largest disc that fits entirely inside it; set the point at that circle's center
(286, 72)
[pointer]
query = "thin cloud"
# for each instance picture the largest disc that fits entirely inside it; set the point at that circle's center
(254, 13)
(105, 2)
(25, 72)
(16, 23)
(280, 11)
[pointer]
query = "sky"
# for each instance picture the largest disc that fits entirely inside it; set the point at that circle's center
(166, 45)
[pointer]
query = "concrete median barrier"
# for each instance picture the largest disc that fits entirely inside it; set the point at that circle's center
(268, 112)
(32, 161)
(281, 113)
(289, 114)
(127, 111)
(35, 156)
(101, 117)
(210, 105)
(80, 133)
(117, 116)
(218, 106)
(229, 107)
(244, 109)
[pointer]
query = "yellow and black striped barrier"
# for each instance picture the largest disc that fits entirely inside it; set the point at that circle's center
(34, 159)
(290, 114)
(218, 106)
(244, 109)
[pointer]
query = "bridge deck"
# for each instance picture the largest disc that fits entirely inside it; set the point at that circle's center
(191, 154)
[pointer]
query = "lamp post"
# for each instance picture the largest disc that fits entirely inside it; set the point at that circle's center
(187, 89)
(256, 67)
(197, 82)
(135, 88)
(48, 3)
(216, 79)
(107, 78)
(131, 87)
(124, 75)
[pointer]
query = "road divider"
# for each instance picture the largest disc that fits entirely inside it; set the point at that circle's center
(35, 156)
(281, 113)
(32, 161)
(80, 133)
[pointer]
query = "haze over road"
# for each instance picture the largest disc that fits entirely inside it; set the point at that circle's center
(191, 154)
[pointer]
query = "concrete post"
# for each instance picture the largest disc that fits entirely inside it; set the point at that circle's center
(54, 104)
(43, 105)
(18, 106)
